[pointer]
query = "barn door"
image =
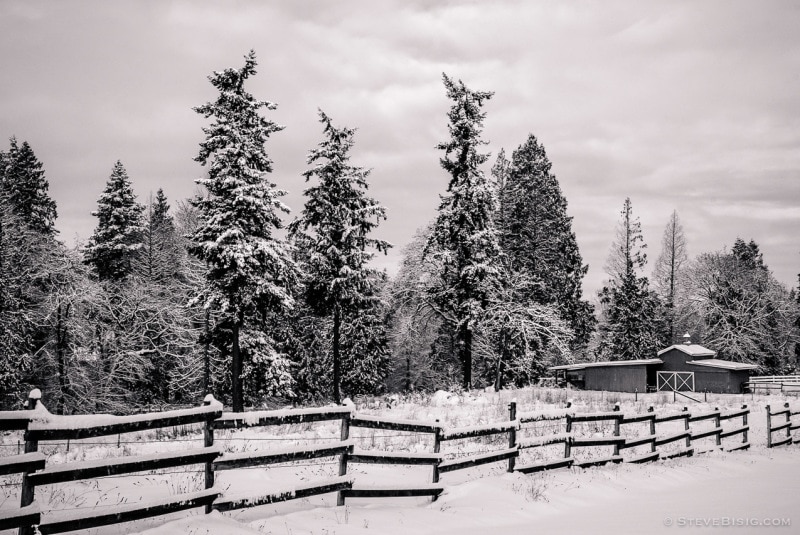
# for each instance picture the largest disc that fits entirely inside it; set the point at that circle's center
(679, 381)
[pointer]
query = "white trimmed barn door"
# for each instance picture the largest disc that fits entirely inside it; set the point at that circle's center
(679, 381)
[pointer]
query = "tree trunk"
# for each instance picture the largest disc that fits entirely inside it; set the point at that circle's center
(236, 371)
(207, 354)
(337, 396)
(498, 380)
(408, 371)
(465, 350)
(61, 359)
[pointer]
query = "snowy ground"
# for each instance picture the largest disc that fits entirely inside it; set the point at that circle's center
(713, 488)
(683, 496)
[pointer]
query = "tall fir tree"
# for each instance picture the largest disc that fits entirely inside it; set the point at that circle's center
(629, 328)
(112, 248)
(23, 179)
(539, 241)
(250, 268)
(501, 173)
(464, 238)
(669, 278)
(333, 234)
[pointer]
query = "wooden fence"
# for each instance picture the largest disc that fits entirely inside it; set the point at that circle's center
(614, 437)
(783, 384)
(574, 442)
(786, 426)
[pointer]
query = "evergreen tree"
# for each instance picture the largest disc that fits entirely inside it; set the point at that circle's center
(539, 241)
(668, 276)
(16, 260)
(117, 239)
(365, 347)
(333, 233)
(160, 256)
(629, 328)
(464, 238)
(22, 178)
(27, 216)
(250, 269)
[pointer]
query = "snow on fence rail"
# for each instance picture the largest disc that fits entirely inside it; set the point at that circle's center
(788, 425)
(589, 434)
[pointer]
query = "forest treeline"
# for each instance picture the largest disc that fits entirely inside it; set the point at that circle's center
(224, 294)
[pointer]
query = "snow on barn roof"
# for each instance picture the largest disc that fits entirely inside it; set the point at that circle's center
(693, 350)
(583, 365)
(724, 364)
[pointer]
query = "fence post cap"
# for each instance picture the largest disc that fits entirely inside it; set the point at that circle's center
(786, 404)
(569, 403)
(35, 394)
(651, 409)
(616, 406)
(744, 406)
(209, 399)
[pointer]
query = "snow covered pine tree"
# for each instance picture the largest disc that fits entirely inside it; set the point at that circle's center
(332, 235)
(464, 238)
(250, 269)
(113, 246)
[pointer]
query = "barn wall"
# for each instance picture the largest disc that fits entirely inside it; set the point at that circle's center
(720, 381)
(675, 361)
(616, 378)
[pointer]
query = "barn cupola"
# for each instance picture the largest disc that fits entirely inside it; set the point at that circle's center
(687, 339)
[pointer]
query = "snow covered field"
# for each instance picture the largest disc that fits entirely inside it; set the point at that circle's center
(739, 487)
(664, 497)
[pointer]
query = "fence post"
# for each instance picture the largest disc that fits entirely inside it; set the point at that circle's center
(343, 459)
(568, 442)
(686, 426)
(769, 427)
(788, 420)
(437, 447)
(512, 434)
(744, 424)
(718, 424)
(652, 428)
(208, 441)
(616, 428)
(27, 491)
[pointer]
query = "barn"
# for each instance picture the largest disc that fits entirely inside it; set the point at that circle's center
(683, 367)
(691, 367)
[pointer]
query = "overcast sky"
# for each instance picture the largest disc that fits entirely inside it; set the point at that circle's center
(692, 106)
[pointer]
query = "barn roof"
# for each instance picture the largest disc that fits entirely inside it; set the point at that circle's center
(693, 350)
(584, 365)
(724, 364)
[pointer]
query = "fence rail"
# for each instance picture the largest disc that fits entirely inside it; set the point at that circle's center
(617, 442)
